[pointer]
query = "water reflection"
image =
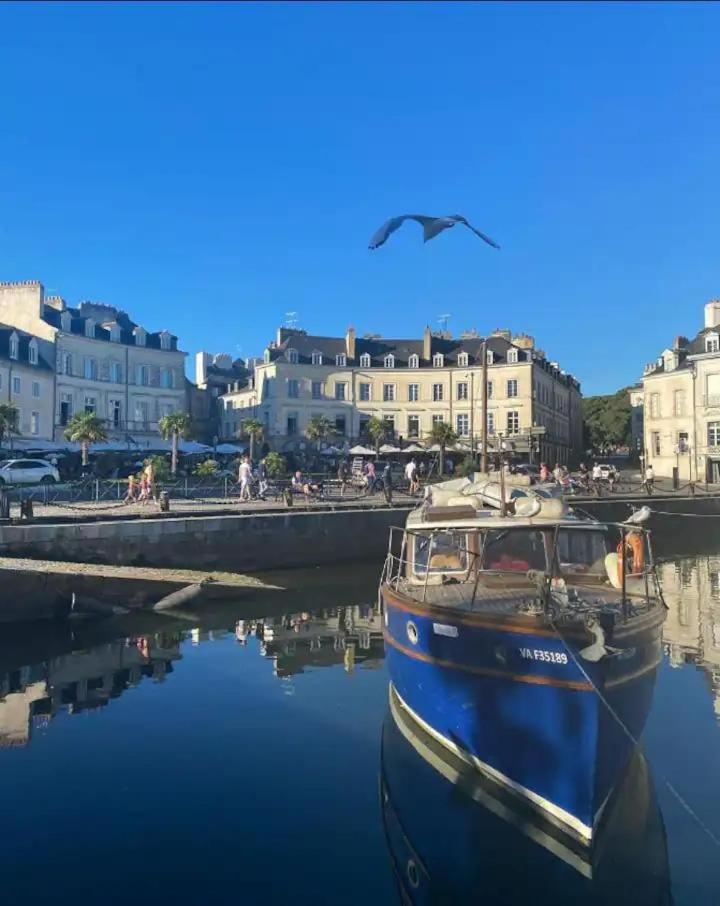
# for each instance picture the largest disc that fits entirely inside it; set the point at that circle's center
(691, 634)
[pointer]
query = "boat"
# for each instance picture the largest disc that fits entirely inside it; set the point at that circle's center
(456, 836)
(524, 636)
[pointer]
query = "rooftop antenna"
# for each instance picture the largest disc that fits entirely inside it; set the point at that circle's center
(291, 320)
(443, 321)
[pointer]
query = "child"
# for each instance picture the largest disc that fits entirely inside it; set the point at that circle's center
(131, 495)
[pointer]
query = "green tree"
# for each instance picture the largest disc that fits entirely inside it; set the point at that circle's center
(319, 429)
(606, 420)
(376, 429)
(253, 429)
(443, 435)
(275, 465)
(206, 468)
(85, 428)
(8, 421)
(172, 427)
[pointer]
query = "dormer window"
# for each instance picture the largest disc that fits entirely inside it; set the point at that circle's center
(438, 360)
(292, 356)
(512, 356)
(389, 361)
(712, 343)
(14, 346)
(341, 360)
(66, 322)
(33, 352)
(490, 357)
(463, 360)
(266, 357)
(317, 358)
(365, 360)
(115, 333)
(165, 340)
(90, 328)
(140, 336)
(414, 361)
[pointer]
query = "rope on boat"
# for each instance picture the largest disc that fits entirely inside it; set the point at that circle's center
(686, 515)
(685, 805)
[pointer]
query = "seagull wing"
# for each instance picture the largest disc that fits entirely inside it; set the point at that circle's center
(389, 227)
(463, 220)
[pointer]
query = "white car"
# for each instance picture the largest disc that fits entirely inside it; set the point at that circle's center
(605, 471)
(28, 471)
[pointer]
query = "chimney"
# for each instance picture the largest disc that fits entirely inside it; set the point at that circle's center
(427, 345)
(350, 343)
(202, 360)
(680, 342)
(712, 313)
(56, 302)
(524, 341)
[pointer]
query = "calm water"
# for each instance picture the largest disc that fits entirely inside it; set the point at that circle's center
(220, 760)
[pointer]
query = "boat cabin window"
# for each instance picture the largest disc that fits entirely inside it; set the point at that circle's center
(582, 551)
(514, 551)
(446, 552)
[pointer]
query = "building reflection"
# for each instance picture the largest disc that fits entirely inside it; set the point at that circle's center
(691, 634)
(80, 681)
(350, 635)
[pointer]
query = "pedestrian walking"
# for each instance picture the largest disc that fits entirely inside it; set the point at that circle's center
(649, 479)
(412, 477)
(132, 490)
(597, 479)
(370, 476)
(245, 478)
(262, 475)
(387, 482)
(343, 474)
(545, 472)
(145, 489)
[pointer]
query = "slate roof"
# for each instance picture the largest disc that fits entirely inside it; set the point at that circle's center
(103, 314)
(23, 354)
(685, 348)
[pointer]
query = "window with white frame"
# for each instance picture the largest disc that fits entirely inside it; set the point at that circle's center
(66, 363)
(36, 390)
(413, 425)
(438, 360)
(489, 389)
(654, 405)
(266, 357)
(712, 343)
(490, 357)
(16, 384)
(165, 378)
(317, 390)
(317, 358)
(35, 423)
(512, 356)
(116, 372)
(491, 423)
(341, 360)
(389, 361)
(513, 422)
(713, 434)
(365, 392)
(365, 360)
(165, 340)
(66, 322)
(142, 375)
(90, 404)
(388, 393)
(14, 346)
(679, 402)
(90, 328)
(33, 352)
(655, 443)
(115, 333)
(292, 356)
(140, 336)
(512, 388)
(438, 392)
(437, 420)
(462, 390)
(414, 361)
(90, 369)
(413, 393)
(293, 388)
(340, 390)
(462, 423)
(463, 360)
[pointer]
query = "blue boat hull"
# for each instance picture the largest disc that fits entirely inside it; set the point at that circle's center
(513, 700)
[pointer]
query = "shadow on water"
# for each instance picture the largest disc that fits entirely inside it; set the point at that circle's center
(455, 837)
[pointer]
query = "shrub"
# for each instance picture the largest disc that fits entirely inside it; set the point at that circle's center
(206, 468)
(275, 465)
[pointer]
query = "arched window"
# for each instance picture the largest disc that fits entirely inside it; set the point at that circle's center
(365, 360)
(317, 358)
(14, 346)
(341, 360)
(389, 361)
(438, 360)
(512, 356)
(414, 361)
(266, 357)
(490, 357)
(66, 322)
(712, 343)
(165, 340)
(115, 333)
(33, 352)
(90, 328)
(463, 359)
(140, 336)
(292, 356)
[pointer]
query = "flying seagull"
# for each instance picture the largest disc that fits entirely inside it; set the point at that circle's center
(432, 227)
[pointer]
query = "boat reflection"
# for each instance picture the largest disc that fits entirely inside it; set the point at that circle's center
(456, 837)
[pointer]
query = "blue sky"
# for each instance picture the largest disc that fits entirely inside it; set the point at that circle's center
(211, 167)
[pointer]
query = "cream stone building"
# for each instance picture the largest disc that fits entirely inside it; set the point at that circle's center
(103, 361)
(681, 393)
(410, 384)
(27, 383)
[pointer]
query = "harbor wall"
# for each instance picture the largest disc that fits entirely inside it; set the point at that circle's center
(238, 542)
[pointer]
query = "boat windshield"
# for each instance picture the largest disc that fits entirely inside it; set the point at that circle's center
(446, 552)
(581, 552)
(514, 550)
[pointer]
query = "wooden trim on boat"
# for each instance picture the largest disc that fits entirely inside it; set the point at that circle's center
(577, 685)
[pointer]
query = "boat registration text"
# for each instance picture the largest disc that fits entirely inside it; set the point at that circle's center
(553, 657)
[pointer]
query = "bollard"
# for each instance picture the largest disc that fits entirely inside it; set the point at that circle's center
(26, 508)
(675, 478)
(164, 501)
(4, 504)
(287, 495)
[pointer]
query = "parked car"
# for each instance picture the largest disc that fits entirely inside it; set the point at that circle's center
(605, 471)
(28, 471)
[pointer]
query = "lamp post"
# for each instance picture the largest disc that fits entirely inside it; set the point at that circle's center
(484, 398)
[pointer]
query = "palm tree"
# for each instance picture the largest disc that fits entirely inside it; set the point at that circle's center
(8, 421)
(172, 427)
(376, 430)
(253, 428)
(85, 428)
(319, 428)
(443, 435)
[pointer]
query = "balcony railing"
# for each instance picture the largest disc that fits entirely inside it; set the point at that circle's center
(711, 401)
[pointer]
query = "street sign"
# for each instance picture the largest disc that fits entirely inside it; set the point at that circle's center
(539, 429)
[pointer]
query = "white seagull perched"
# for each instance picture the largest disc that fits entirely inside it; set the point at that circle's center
(432, 227)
